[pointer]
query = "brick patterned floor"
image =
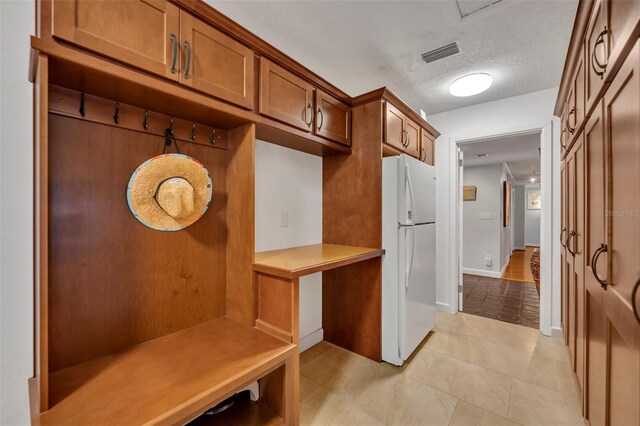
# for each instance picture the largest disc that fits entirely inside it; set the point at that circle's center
(510, 301)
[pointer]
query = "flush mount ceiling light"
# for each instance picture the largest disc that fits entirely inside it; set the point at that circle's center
(470, 85)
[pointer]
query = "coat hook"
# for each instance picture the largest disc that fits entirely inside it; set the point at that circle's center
(145, 123)
(212, 138)
(116, 116)
(82, 104)
(193, 131)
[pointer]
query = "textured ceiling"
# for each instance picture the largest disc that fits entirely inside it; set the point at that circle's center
(519, 152)
(362, 45)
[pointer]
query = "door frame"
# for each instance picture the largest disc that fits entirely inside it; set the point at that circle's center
(548, 216)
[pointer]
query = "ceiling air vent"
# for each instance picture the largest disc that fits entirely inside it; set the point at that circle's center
(441, 53)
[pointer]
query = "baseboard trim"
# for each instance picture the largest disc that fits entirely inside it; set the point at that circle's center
(520, 248)
(311, 340)
(443, 307)
(504, 268)
(532, 245)
(483, 273)
(557, 332)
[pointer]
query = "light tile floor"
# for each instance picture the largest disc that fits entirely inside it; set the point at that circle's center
(470, 371)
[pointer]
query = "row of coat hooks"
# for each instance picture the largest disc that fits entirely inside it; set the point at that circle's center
(106, 111)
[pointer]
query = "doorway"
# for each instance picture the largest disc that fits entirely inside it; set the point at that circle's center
(493, 262)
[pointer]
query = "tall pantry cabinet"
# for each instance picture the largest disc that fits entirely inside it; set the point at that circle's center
(600, 209)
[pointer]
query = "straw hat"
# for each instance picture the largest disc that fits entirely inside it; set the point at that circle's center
(169, 192)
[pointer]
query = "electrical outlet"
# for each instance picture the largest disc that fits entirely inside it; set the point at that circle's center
(284, 219)
(485, 216)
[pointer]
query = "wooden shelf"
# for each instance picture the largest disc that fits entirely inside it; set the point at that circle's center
(298, 261)
(167, 380)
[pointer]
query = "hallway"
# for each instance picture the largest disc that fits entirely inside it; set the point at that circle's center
(519, 268)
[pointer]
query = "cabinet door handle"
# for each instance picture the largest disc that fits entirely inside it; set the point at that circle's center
(561, 241)
(633, 300)
(187, 48)
(594, 264)
(561, 144)
(405, 136)
(567, 125)
(174, 53)
(571, 235)
(321, 116)
(594, 58)
(308, 110)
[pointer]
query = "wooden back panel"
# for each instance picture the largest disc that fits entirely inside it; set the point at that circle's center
(114, 282)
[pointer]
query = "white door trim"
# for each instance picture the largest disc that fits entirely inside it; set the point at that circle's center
(546, 229)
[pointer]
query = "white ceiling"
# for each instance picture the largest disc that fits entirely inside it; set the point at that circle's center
(362, 45)
(519, 152)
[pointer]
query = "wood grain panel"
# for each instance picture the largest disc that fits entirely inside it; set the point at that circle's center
(136, 32)
(332, 119)
(114, 282)
(241, 224)
(275, 305)
(218, 65)
(352, 295)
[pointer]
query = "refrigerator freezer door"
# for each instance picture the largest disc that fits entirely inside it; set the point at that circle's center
(416, 191)
(417, 289)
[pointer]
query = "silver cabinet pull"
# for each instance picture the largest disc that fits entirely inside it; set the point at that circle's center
(174, 53)
(187, 48)
(308, 110)
(321, 115)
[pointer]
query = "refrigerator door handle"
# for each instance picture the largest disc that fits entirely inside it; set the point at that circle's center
(410, 265)
(408, 177)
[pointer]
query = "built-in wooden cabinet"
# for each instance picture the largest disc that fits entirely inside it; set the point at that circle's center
(214, 63)
(600, 211)
(401, 132)
(143, 34)
(332, 118)
(290, 99)
(158, 37)
(427, 147)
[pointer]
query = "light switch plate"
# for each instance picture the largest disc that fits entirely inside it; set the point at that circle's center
(485, 216)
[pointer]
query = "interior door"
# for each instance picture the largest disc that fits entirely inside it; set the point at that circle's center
(595, 238)
(214, 63)
(622, 138)
(140, 33)
(418, 296)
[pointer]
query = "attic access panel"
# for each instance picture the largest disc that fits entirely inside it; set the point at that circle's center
(469, 7)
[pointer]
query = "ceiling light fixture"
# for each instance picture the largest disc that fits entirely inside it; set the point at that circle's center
(532, 180)
(470, 85)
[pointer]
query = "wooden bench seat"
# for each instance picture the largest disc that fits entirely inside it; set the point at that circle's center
(167, 380)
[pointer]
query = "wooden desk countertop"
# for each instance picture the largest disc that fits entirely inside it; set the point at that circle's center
(299, 261)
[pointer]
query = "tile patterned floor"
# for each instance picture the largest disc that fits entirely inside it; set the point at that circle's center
(470, 371)
(511, 301)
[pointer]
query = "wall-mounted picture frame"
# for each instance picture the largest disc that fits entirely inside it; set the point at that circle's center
(534, 200)
(506, 204)
(469, 193)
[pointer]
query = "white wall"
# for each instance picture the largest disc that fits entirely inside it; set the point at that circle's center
(481, 237)
(531, 221)
(531, 110)
(518, 218)
(291, 181)
(17, 21)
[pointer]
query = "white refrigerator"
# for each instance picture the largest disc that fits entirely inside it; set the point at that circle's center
(409, 264)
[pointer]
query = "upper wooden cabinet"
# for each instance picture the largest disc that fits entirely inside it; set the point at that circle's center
(427, 147)
(413, 138)
(214, 63)
(403, 134)
(332, 118)
(394, 127)
(158, 37)
(141, 33)
(285, 97)
(290, 99)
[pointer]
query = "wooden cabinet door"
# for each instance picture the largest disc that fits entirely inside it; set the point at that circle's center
(214, 63)
(622, 139)
(332, 118)
(427, 147)
(285, 97)
(394, 132)
(595, 52)
(571, 291)
(412, 131)
(141, 33)
(570, 112)
(578, 94)
(595, 237)
(578, 259)
(564, 255)
(564, 138)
